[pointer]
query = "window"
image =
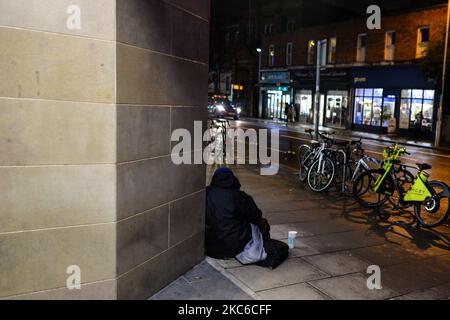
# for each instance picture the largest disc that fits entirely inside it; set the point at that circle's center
(311, 52)
(368, 107)
(332, 50)
(361, 52)
(304, 99)
(336, 109)
(289, 54)
(423, 42)
(416, 109)
(389, 49)
(227, 37)
(268, 28)
(271, 55)
(290, 27)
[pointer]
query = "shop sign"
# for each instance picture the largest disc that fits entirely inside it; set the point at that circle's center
(276, 77)
(327, 74)
(360, 80)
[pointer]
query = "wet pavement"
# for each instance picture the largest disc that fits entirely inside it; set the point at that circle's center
(337, 241)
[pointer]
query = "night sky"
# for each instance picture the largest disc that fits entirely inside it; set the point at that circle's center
(346, 8)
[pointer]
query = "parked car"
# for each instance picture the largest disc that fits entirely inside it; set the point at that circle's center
(223, 109)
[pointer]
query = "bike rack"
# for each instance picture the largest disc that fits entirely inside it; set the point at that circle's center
(344, 169)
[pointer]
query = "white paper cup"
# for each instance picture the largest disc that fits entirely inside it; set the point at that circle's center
(292, 236)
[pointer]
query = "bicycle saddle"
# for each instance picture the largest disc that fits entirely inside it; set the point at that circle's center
(424, 166)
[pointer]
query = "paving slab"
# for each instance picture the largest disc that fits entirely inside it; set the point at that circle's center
(441, 292)
(342, 241)
(202, 283)
(301, 250)
(203, 271)
(280, 232)
(228, 263)
(352, 287)
(312, 228)
(220, 288)
(385, 255)
(413, 276)
(337, 264)
(302, 291)
(278, 218)
(268, 206)
(292, 271)
(178, 290)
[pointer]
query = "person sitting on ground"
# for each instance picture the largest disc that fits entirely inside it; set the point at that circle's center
(235, 227)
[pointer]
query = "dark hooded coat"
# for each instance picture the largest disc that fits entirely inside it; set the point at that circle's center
(229, 213)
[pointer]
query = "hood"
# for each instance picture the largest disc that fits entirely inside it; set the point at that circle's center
(225, 178)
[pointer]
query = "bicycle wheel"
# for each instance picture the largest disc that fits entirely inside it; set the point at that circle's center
(363, 189)
(305, 161)
(434, 211)
(321, 175)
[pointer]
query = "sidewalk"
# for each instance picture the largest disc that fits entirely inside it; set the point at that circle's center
(300, 128)
(337, 242)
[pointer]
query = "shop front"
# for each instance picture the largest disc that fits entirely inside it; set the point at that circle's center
(334, 96)
(275, 94)
(394, 99)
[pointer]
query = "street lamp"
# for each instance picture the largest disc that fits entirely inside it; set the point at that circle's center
(259, 51)
(444, 70)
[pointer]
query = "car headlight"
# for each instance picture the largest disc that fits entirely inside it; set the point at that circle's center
(239, 110)
(221, 108)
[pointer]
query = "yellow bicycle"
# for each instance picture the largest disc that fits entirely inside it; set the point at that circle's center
(430, 199)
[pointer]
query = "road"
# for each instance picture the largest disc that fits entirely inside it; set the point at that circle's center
(292, 138)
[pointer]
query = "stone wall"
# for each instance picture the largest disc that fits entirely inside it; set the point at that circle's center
(162, 72)
(85, 122)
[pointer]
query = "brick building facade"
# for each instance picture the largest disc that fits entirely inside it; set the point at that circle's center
(405, 24)
(372, 78)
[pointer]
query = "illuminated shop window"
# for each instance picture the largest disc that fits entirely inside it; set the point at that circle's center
(368, 107)
(416, 109)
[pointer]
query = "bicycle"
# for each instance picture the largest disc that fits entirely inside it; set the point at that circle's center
(218, 138)
(326, 169)
(430, 199)
(307, 155)
(351, 169)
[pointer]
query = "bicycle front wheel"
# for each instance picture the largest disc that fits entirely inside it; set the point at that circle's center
(321, 175)
(363, 189)
(434, 211)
